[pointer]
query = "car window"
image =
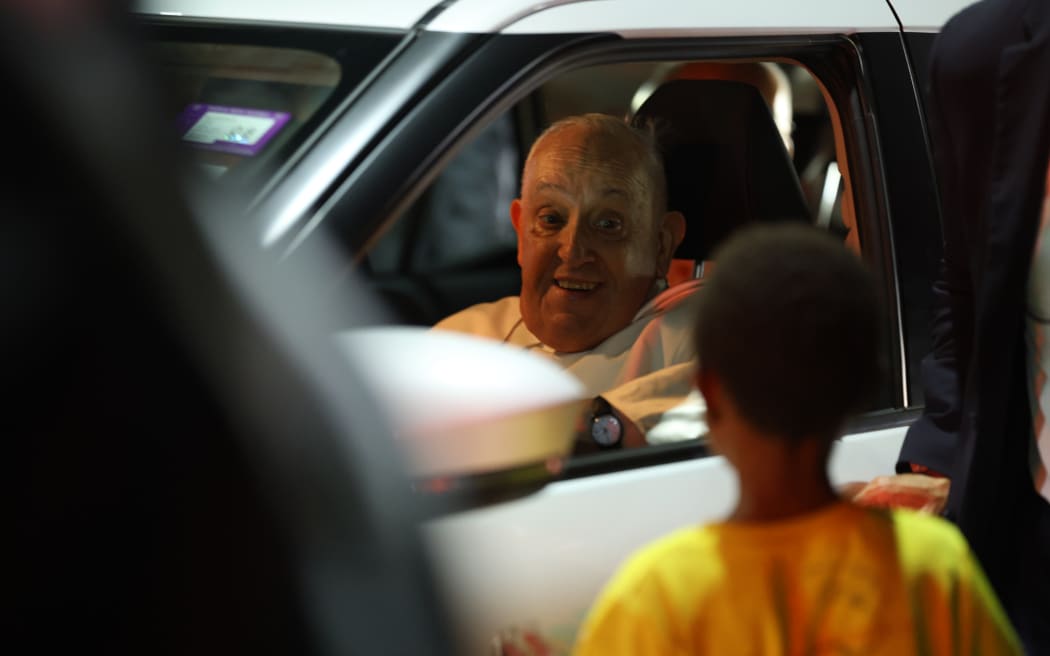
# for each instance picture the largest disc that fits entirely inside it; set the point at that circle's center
(792, 93)
(237, 102)
(241, 101)
(454, 247)
(461, 224)
(461, 220)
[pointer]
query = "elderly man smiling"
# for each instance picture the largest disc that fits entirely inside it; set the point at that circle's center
(595, 242)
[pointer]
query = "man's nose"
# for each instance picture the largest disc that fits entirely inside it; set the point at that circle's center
(575, 243)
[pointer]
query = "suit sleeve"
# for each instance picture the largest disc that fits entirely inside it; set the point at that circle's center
(932, 440)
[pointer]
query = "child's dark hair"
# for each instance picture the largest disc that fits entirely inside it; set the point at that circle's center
(790, 323)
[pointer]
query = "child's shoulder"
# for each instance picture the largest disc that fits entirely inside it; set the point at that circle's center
(926, 541)
(679, 555)
(927, 528)
(685, 542)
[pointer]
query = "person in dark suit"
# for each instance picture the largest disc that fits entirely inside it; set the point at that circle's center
(990, 127)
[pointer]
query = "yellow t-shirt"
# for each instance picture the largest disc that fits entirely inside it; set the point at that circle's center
(842, 580)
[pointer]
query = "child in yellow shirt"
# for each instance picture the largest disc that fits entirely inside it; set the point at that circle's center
(787, 337)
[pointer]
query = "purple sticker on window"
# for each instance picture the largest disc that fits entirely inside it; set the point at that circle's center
(234, 130)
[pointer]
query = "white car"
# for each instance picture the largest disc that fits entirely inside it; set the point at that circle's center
(398, 130)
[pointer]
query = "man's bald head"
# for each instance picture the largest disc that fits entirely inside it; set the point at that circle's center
(606, 134)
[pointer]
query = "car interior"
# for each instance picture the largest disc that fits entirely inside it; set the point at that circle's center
(714, 122)
(721, 132)
(758, 134)
(742, 140)
(244, 107)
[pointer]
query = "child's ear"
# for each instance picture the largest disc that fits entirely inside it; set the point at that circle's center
(710, 387)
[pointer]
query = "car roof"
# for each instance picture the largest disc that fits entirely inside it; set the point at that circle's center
(393, 14)
(638, 18)
(626, 17)
(927, 15)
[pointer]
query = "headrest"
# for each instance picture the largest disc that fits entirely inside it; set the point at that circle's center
(726, 163)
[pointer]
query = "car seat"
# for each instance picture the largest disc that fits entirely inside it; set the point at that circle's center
(725, 161)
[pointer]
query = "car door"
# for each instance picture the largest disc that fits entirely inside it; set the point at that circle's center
(362, 169)
(538, 561)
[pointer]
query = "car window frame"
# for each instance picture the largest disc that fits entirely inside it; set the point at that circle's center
(839, 63)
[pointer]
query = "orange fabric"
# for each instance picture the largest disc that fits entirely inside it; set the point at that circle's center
(680, 271)
(916, 468)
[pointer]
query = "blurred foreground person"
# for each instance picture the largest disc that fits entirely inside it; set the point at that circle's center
(984, 425)
(595, 242)
(191, 466)
(787, 341)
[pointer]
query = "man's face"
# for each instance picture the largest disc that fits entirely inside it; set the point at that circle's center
(589, 244)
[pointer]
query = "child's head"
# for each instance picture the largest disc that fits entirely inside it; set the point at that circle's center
(788, 333)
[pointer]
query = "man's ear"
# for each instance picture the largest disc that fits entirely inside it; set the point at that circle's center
(515, 219)
(672, 232)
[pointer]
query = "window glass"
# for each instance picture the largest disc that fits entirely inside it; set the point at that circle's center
(792, 93)
(455, 246)
(234, 104)
(243, 100)
(462, 220)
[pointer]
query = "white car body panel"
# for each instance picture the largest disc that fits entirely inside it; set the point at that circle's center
(630, 18)
(644, 18)
(551, 552)
(927, 15)
(400, 14)
(455, 400)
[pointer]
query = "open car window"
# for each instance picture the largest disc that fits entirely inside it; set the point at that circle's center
(455, 246)
(460, 225)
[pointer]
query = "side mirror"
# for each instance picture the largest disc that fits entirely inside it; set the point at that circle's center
(476, 419)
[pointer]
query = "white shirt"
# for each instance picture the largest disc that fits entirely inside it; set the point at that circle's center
(1037, 321)
(645, 370)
